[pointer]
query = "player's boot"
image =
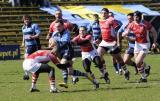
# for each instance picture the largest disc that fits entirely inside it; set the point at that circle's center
(127, 75)
(106, 78)
(74, 81)
(120, 72)
(141, 80)
(34, 90)
(96, 86)
(147, 71)
(54, 90)
(63, 85)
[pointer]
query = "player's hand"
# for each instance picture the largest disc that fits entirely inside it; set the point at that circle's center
(22, 45)
(26, 77)
(97, 41)
(48, 37)
(154, 46)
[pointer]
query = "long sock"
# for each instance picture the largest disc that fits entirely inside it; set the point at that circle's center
(145, 65)
(119, 66)
(78, 73)
(115, 66)
(103, 70)
(94, 79)
(124, 68)
(91, 77)
(142, 71)
(52, 83)
(134, 65)
(34, 80)
(65, 76)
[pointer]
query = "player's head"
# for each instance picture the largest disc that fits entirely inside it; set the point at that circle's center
(27, 19)
(59, 25)
(104, 13)
(96, 17)
(137, 16)
(58, 14)
(130, 17)
(82, 30)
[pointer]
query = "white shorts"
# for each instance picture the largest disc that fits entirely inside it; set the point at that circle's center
(89, 55)
(106, 44)
(29, 65)
(141, 47)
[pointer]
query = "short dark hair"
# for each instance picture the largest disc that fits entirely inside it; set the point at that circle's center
(59, 21)
(96, 15)
(105, 9)
(26, 17)
(85, 28)
(130, 14)
(138, 13)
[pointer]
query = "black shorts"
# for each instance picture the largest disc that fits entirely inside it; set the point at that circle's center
(112, 49)
(130, 51)
(31, 49)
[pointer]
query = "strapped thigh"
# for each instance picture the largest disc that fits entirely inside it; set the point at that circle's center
(44, 68)
(97, 61)
(87, 65)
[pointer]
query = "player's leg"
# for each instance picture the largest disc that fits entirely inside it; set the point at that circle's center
(34, 81)
(129, 54)
(115, 52)
(115, 65)
(87, 67)
(101, 52)
(139, 58)
(45, 68)
(99, 64)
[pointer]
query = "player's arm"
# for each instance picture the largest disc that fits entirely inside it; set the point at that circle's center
(50, 32)
(126, 32)
(23, 41)
(37, 31)
(119, 36)
(53, 45)
(85, 40)
(74, 40)
(131, 38)
(154, 33)
(55, 61)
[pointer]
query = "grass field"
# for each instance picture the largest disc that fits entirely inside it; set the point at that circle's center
(13, 88)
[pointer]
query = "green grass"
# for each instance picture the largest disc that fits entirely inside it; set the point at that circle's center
(13, 88)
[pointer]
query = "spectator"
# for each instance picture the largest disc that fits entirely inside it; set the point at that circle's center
(14, 3)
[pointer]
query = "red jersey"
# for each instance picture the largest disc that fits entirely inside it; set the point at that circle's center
(43, 56)
(108, 29)
(87, 47)
(67, 25)
(140, 30)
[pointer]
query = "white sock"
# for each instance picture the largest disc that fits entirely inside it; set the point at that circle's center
(52, 87)
(74, 78)
(33, 86)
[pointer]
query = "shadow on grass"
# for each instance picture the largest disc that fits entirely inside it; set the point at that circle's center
(104, 89)
(157, 79)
